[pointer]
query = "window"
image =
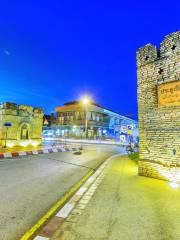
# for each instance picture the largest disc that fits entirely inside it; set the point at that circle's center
(97, 118)
(173, 47)
(79, 116)
(160, 71)
(91, 116)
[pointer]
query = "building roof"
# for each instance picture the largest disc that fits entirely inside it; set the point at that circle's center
(77, 106)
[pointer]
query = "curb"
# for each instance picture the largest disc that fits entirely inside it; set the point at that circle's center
(31, 232)
(36, 152)
(52, 220)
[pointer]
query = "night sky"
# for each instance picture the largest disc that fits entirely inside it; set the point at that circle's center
(52, 52)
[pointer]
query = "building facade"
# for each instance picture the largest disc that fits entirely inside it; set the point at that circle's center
(20, 125)
(102, 123)
(159, 109)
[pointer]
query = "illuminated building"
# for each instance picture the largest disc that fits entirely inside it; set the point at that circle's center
(70, 120)
(20, 125)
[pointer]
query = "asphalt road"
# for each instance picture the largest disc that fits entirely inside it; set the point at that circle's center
(30, 185)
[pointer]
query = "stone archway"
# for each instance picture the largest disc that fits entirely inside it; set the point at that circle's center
(23, 131)
(24, 135)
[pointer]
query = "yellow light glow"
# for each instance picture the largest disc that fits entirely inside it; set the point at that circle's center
(34, 143)
(85, 100)
(24, 144)
(174, 185)
(10, 144)
(172, 174)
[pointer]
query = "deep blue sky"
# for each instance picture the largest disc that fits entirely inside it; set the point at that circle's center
(55, 51)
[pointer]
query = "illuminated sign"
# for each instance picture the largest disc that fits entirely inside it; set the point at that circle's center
(169, 94)
(7, 124)
(123, 129)
(129, 132)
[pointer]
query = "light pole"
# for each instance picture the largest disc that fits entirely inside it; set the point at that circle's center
(85, 102)
(5, 145)
(6, 136)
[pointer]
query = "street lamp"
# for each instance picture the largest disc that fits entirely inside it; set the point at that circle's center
(85, 101)
(6, 124)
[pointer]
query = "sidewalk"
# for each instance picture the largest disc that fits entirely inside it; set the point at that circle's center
(126, 206)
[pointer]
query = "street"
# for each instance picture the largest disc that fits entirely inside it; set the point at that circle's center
(31, 185)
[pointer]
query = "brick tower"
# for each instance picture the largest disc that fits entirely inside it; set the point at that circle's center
(158, 72)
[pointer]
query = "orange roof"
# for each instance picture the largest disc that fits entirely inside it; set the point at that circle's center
(68, 107)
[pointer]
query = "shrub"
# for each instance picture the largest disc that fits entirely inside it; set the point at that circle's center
(134, 156)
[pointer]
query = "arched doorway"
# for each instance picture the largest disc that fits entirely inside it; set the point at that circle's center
(24, 134)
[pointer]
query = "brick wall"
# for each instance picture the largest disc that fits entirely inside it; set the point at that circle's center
(19, 116)
(159, 125)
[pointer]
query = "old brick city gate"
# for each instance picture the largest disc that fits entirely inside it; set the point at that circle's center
(159, 109)
(20, 125)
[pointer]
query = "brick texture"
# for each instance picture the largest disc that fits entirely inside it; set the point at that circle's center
(159, 126)
(20, 116)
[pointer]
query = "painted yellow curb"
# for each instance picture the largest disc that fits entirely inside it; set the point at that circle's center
(28, 235)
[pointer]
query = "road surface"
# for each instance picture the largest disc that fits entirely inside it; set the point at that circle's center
(30, 185)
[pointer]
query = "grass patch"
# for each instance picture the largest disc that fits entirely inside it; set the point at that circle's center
(134, 156)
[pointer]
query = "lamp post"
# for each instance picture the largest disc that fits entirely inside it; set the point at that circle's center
(85, 102)
(6, 136)
(5, 145)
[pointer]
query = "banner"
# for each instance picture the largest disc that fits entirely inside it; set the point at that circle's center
(169, 94)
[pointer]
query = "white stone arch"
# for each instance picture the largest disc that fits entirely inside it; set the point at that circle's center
(24, 126)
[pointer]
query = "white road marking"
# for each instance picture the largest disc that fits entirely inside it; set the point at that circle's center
(64, 212)
(40, 238)
(55, 150)
(35, 152)
(45, 151)
(90, 180)
(22, 153)
(81, 191)
(6, 155)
